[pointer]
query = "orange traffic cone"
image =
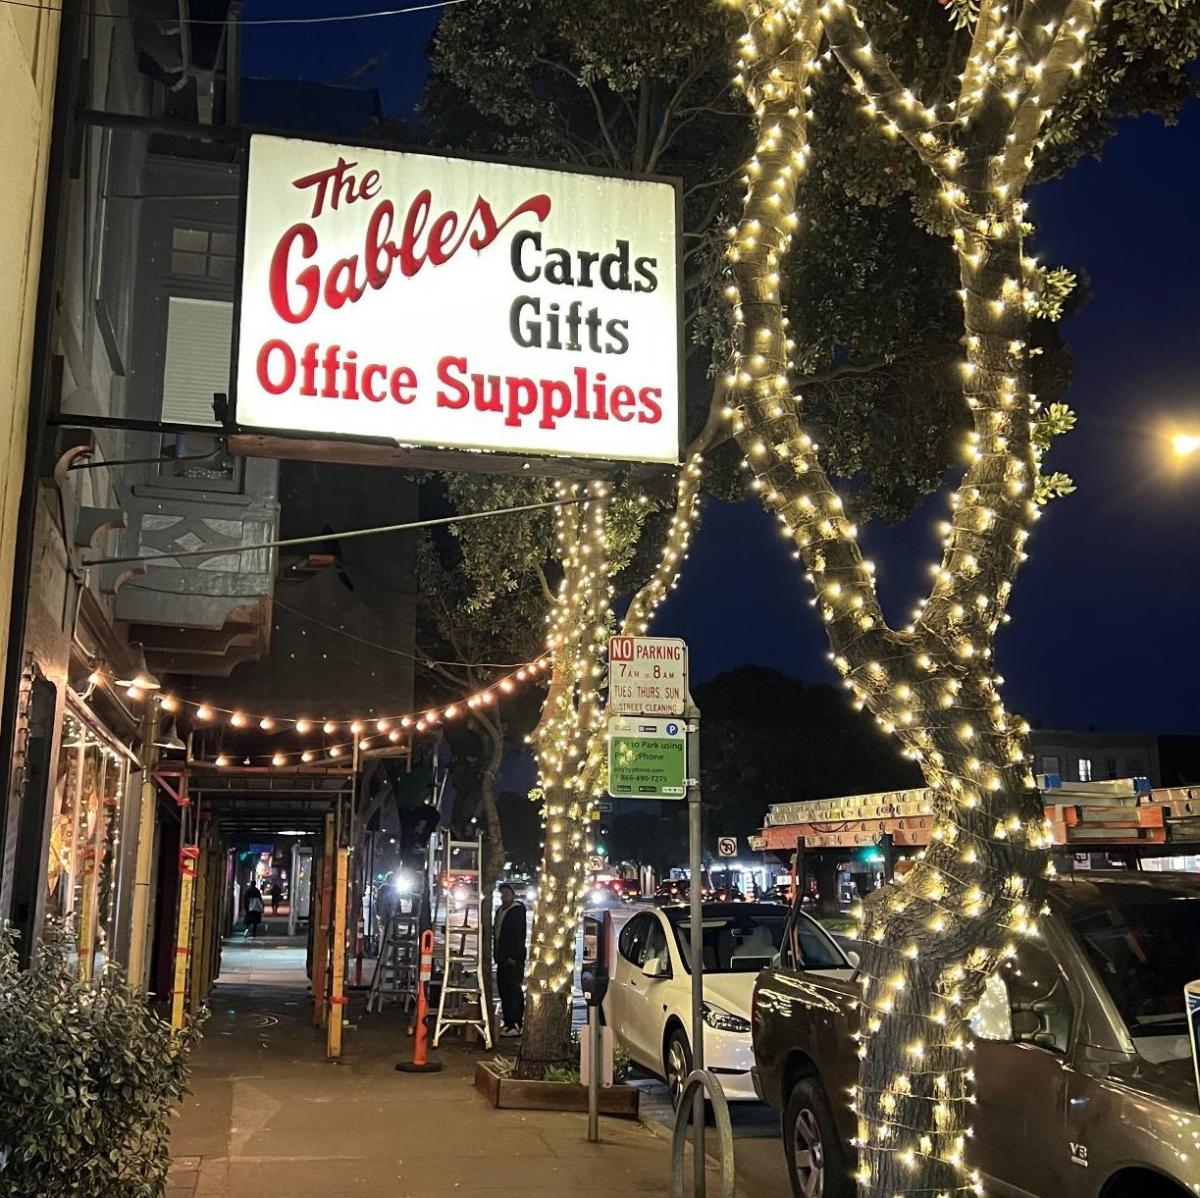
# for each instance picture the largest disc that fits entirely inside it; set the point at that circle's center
(421, 1062)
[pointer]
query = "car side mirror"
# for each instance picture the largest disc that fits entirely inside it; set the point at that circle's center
(656, 967)
(1032, 1023)
(854, 959)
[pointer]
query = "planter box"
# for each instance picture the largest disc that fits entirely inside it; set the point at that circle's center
(510, 1093)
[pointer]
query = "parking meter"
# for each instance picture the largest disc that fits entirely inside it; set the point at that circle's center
(595, 1057)
(593, 970)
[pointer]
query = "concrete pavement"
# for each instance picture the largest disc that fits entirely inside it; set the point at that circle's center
(268, 1114)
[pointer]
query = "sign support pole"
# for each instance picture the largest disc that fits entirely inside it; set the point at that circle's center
(696, 940)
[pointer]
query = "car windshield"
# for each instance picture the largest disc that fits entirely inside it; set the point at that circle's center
(741, 942)
(1144, 953)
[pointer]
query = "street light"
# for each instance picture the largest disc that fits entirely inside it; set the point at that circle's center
(1185, 445)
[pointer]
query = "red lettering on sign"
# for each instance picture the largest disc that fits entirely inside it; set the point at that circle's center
(295, 293)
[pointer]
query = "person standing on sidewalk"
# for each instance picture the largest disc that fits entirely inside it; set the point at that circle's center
(252, 905)
(508, 936)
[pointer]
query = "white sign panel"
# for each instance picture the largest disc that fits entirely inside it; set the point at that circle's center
(647, 675)
(442, 302)
(726, 846)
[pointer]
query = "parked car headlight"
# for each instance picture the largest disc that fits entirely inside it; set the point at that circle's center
(724, 1021)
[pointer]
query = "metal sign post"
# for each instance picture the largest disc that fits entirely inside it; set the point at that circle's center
(652, 757)
(696, 940)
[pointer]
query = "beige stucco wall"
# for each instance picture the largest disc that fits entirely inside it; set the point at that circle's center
(28, 50)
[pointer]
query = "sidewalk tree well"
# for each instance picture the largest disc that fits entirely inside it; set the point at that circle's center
(978, 106)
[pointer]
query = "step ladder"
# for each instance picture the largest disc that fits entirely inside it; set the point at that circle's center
(459, 924)
(395, 977)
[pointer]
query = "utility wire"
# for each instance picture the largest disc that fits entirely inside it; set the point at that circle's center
(356, 16)
(325, 537)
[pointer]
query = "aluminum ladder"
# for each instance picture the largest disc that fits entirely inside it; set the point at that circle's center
(395, 978)
(459, 923)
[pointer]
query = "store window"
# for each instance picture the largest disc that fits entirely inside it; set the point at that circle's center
(1085, 769)
(82, 873)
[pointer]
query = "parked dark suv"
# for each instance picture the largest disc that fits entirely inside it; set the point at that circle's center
(1085, 1082)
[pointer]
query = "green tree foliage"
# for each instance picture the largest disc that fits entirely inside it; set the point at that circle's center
(644, 88)
(522, 829)
(648, 837)
(768, 738)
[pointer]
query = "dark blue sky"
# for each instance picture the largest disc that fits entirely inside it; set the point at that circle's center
(1106, 614)
(1105, 629)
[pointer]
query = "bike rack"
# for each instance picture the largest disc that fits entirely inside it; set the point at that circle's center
(703, 1080)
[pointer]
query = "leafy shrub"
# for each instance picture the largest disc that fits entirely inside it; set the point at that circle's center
(622, 1064)
(88, 1075)
(570, 1073)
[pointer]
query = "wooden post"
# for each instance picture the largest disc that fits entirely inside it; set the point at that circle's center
(183, 933)
(337, 987)
(201, 922)
(143, 869)
(321, 927)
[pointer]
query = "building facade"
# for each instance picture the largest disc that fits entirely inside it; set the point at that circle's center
(28, 62)
(145, 564)
(1096, 756)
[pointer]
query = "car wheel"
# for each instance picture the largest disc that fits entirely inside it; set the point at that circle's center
(816, 1162)
(677, 1064)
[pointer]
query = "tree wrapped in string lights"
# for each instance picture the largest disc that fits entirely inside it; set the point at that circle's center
(1031, 78)
(569, 739)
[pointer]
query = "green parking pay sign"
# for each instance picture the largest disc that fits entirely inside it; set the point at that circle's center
(647, 758)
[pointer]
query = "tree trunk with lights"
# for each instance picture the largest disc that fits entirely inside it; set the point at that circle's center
(570, 716)
(931, 941)
(570, 745)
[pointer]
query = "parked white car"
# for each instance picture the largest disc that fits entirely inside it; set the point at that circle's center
(649, 998)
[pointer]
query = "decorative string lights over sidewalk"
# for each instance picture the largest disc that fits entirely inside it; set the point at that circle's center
(365, 732)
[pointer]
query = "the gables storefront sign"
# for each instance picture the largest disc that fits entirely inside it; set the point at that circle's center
(442, 302)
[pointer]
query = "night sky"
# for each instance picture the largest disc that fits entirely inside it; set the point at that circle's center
(1105, 614)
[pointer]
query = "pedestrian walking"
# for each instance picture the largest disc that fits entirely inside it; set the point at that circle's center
(508, 939)
(252, 905)
(276, 895)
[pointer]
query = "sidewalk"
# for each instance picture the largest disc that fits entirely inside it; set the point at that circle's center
(268, 1114)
